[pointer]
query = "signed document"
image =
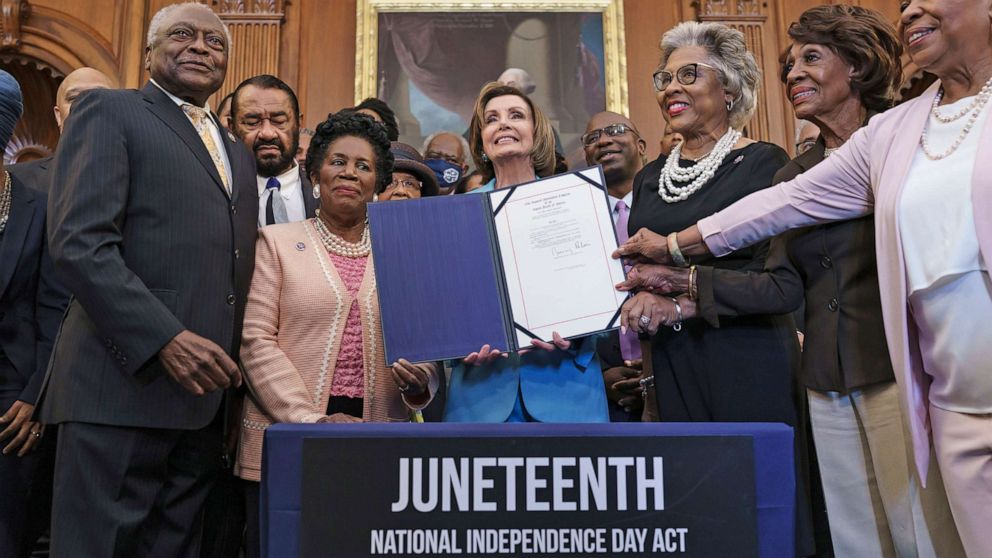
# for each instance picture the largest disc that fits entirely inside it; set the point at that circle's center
(555, 238)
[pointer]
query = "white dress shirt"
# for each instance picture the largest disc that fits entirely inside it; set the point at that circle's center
(291, 191)
(950, 293)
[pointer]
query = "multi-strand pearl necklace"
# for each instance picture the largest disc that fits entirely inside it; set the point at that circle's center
(5, 197)
(337, 245)
(974, 108)
(695, 175)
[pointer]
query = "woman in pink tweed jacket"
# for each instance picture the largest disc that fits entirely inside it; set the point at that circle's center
(925, 169)
(312, 342)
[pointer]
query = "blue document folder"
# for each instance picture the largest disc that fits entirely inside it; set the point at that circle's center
(440, 277)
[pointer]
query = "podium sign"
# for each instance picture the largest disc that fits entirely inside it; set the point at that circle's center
(517, 494)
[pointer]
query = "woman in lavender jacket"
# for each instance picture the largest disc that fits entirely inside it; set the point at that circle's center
(925, 170)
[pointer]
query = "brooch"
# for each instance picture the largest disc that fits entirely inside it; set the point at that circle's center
(300, 246)
(738, 159)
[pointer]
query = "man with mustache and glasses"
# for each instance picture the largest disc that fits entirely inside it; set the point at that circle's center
(265, 114)
(612, 141)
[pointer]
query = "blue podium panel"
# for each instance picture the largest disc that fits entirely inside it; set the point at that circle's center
(528, 489)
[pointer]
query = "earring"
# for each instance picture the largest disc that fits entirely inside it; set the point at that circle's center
(730, 105)
(316, 191)
(485, 158)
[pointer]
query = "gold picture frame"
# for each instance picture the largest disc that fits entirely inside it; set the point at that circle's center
(614, 63)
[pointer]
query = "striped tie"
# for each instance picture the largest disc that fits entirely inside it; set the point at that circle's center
(199, 118)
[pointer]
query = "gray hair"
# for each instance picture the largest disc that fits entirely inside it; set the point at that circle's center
(729, 55)
(465, 149)
(160, 16)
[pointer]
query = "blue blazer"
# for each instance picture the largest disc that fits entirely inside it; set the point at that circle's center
(32, 301)
(558, 386)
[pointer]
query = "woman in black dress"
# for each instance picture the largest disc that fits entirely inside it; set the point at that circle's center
(709, 367)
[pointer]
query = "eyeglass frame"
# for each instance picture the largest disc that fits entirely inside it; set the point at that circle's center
(675, 76)
(599, 133)
(406, 184)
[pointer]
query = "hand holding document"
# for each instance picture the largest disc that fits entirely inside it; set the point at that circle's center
(497, 269)
(555, 240)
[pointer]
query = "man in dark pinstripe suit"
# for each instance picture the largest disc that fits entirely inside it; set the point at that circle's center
(152, 228)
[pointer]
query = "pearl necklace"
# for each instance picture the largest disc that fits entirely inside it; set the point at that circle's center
(337, 245)
(697, 174)
(975, 108)
(5, 198)
(935, 109)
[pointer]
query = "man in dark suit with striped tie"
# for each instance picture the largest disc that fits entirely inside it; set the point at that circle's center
(265, 114)
(152, 225)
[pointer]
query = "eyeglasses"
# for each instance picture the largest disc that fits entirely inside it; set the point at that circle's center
(408, 184)
(613, 130)
(805, 145)
(686, 75)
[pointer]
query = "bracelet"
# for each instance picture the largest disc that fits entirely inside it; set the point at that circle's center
(693, 288)
(677, 326)
(673, 250)
(645, 384)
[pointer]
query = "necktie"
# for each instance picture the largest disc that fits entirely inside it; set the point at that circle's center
(199, 118)
(275, 208)
(630, 346)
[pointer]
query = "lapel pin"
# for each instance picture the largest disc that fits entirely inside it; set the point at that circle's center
(738, 159)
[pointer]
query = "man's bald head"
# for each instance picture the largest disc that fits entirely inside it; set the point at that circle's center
(75, 83)
(516, 77)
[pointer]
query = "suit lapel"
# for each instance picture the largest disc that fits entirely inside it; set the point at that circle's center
(310, 203)
(22, 210)
(172, 116)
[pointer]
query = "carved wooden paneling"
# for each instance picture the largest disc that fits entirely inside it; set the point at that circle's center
(256, 38)
(755, 20)
(13, 14)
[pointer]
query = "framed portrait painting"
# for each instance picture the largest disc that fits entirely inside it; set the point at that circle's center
(429, 59)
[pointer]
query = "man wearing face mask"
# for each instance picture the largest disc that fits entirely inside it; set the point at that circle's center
(265, 114)
(446, 153)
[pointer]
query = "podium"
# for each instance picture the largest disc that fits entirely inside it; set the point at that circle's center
(660, 489)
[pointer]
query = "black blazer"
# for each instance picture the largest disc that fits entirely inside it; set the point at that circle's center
(146, 238)
(31, 299)
(845, 346)
(834, 264)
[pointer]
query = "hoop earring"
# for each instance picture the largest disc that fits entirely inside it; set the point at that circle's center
(316, 191)
(730, 105)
